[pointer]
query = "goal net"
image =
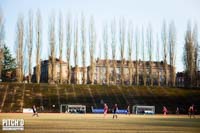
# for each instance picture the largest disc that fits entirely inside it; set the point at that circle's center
(140, 109)
(66, 108)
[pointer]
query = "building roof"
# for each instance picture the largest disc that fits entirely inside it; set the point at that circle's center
(49, 60)
(126, 62)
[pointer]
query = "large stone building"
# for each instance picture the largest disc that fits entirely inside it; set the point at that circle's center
(157, 72)
(46, 74)
(103, 72)
(77, 75)
(181, 79)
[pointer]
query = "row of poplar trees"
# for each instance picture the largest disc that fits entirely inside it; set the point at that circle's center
(72, 37)
(28, 36)
(125, 33)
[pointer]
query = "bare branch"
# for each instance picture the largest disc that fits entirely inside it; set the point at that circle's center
(130, 49)
(30, 43)
(122, 45)
(20, 43)
(61, 45)
(69, 44)
(83, 42)
(150, 49)
(172, 47)
(38, 44)
(52, 44)
(92, 41)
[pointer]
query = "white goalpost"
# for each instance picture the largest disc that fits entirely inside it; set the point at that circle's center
(67, 108)
(141, 109)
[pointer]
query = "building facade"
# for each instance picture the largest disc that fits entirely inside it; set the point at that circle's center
(181, 79)
(46, 72)
(77, 74)
(157, 72)
(108, 72)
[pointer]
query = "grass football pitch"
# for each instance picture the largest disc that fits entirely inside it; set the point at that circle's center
(96, 123)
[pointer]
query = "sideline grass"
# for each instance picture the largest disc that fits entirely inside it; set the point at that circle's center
(90, 123)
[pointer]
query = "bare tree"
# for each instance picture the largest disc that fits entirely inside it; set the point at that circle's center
(122, 45)
(38, 44)
(2, 37)
(76, 49)
(113, 43)
(100, 69)
(69, 44)
(137, 53)
(172, 46)
(25, 55)
(189, 56)
(158, 60)
(105, 41)
(130, 49)
(144, 62)
(196, 54)
(83, 42)
(30, 44)
(164, 41)
(20, 43)
(61, 46)
(150, 49)
(52, 47)
(92, 41)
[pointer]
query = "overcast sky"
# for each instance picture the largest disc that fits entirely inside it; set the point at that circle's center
(140, 12)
